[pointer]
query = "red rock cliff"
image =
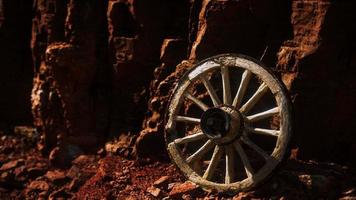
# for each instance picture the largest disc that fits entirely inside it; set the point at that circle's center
(106, 68)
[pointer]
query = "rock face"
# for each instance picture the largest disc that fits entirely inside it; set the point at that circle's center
(318, 63)
(308, 44)
(107, 68)
(137, 31)
(71, 86)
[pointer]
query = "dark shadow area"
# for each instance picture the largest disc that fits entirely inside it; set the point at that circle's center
(16, 63)
(325, 106)
(246, 27)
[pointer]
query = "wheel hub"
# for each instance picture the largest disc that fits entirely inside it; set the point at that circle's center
(222, 124)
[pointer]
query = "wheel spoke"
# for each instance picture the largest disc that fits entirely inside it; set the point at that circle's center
(263, 115)
(258, 149)
(199, 103)
(213, 163)
(247, 165)
(188, 119)
(254, 99)
(226, 85)
(263, 131)
(201, 151)
(190, 138)
(230, 167)
(245, 79)
(214, 97)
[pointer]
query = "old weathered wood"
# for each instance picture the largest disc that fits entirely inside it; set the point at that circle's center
(229, 147)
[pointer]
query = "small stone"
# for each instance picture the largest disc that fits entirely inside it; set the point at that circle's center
(185, 188)
(154, 191)
(187, 197)
(241, 196)
(306, 180)
(12, 164)
(161, 182)
(82, 160)
(171, 185)
(53, 155)
(27, 131)
(38, 185)
(5, 177)
(57, 177)
(126, 171)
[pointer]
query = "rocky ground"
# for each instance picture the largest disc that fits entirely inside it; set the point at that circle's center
(25, 174)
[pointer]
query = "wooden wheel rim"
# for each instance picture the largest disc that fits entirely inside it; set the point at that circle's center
(251, 67)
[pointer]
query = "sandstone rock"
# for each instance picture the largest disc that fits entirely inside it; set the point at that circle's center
(185, 188)
(28, 132)
(161, 182)
(171, 185)
(241, 196)
(12, 164)
(121, 146)
(56, 176)
(6, 177)
(38, 185)
(137, 30)
(75, 56)
(151, 141)
(83, 159)
(308, 63)
(154, 191)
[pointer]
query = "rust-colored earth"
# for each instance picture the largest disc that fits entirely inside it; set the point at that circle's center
(25, 174)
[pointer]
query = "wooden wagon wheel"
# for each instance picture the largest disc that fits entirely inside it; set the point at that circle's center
(228, 123)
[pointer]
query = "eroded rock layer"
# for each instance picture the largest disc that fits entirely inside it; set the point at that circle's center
(71, 87)
(107, 68)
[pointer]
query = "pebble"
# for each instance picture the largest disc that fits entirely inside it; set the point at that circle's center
(154, 191)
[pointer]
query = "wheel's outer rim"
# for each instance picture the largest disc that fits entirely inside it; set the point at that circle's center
(283, 102)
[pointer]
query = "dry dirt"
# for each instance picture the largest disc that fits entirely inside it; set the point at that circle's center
(25, 174)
